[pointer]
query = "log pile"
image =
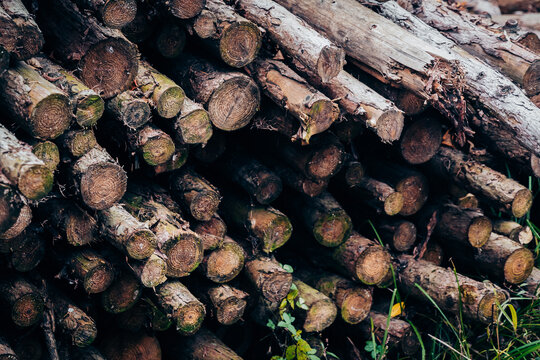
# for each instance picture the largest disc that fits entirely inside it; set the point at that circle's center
(163, 162)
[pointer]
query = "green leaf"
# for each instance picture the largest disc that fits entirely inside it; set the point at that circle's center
(288, 268)
(301, 303)
(513, 314)
(293, 287)
(303, 346)
(332, 355)
(282, 324)
(288, 318)
(271, 324)
(290, 353)
(314, 357)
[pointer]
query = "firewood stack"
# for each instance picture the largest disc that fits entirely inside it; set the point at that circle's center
(161, 160)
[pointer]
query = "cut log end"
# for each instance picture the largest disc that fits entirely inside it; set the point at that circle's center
(35, 182)
(321, 115)
(121, 295)
(158, 149)
(421, 140)
(98, 279)
(195, 128)
(80, 142)
(313, 188)
(211, 232)
(415, 193)
(234, 103)
(224, 266)
(103, 185)
(204, 205)
(141, 244)
(404, 236)
(184, 257)
(330, 63)
(170, 102)
(518, 266)
(393, 204)
(325, 163)
(230, 310)
(372, 265)
(479, 231)
(354, 173)
(47, 152)
(186, 9)
(118, 13)
(84, 334)
(136, 113)
(522, 203)
(153, 272)
(489, 305)
(390, 125)
(269, 190)
(271, 226)
(23, 220)
(276, 286)
(240, 43)
(333, 229)
(189, 318)
(531, 79)
(110, 66)
(356, 305)
(320, 316)
(27, 310)
(50, 117)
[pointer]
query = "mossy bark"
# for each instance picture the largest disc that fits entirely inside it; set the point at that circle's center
(78, 142)
(94, 271)
(72, 321)
(513, 230)
(321, 311)
(20, 36)
(130, 108)
(193, 126)
(151, 271)
(226, 303)
(47, 151)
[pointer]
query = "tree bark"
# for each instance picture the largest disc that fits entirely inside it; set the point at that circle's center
(321, 313)
(130, 108)
(88, 105)
(231, 98)
(193, 125)
(203, 345)
(465, 226)
(236, 39)
(20, 36)
(78, 39)
(271, 281)
(99, 180)
(508, 6)
(227, 303)
(532, 284)
(514, 231)
(421, 140)
(24, 217)
(37, 105)
(127, 346)
(114, 14)
(22, 168)
(434, 254)
(90, 268)
(399, 233)
(123, 293)
(11, 205)
(185, 9)
(151, 271)
(144, 313)
(131, 236)
(48, 152)
(177, 160)
(6, 352)
(513, 197)
(296, 180)
(224, 263)
(211, 232)
(378, 195)
(23, 300)
(451, 292)
(287, 89)
(78, 142)
(179, 304)
(195, 194)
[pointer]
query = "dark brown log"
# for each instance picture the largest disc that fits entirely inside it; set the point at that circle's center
(78, 142)
(462, 198)
(270, 226)
(91, 269)
(22, 168)
(321, 313)
(123, 293)
(193, 126)
(213, 150)
(298, 181)
(170, 40)
(128, 346)
(508, 6)
(23, 301)
(226, 303)
(177, 160)
(21, 35)
(434, 254)
(72, 321)
(48, 152)
(6, 352)
(113, 13)
(411, 184)
(201, 346)
(400, 334)
(514, 231)
(236, 39)
(450, 291)
(153, 206)
(166, 97)
(186, 310)
(76, 225)
(88, 105)
(37, 105)
(185, 9)
(26, 249)
(11, 205)
(144, 313)
(152, 271)
(140, 28)
(465, 226)
(271, 281)
(289, 90)
(106, 60)
(347, 129)
(154, 145)
(98, 178)
(378, 195)
(211, 232)
(195, 194)
(513, 197)
(399, 233)
(231, 98)
(421, 140)
(532, 284)
(87, 353)
(224, 263)
(131, 236)
(23, 219)
(130, 108)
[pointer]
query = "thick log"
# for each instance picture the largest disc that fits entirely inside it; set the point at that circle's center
(398, 233)
(211, 232)
(294, 36)
(452, 292)
(6, 352)
(465, 226)
(131, 236)
(270, 280)
(236, 39)
(410, 183)
(78, 142)
(20, 36)
(153, 206)
(226, 303)
(152, 271)
(23, 301)
(270, 226)
(106, 60)
(114, 14)
(513, 230)
(195, 194)
(75, 224)
(186, 310)
(231, 98)
(170, 40)
(130, 108)
(421, 140)
(185, 9)
(508, 6)
(224, 263)
(167, 97)
(48, 152)
(123, 293)
(22, 168)
(36, 104)
(88, 105)
(128, 346)
(321, 311)
(193, 125)
(517, 62)
(11, 205)
(287, 89)
(400, 334)
(91, 269)
(26, 249)
(99, 180)
(201, 346)
(495, 187)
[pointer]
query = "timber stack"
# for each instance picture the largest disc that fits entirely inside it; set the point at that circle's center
(179, 178)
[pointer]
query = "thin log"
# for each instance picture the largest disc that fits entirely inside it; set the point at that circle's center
(465, 226)
(130, 108)
(27, 249)
(20, 36)
(378, 195)
(211, 232)
(141, 27)
(421, 140)
(321, 311)
(193, 126)
(90, 268)
(78, 142)
(152, 271)
(24, 218)
(399, 233)
(514, 231)
(48, 152)
(185, 9)
(23, 300)
(296, 180)
(170, 40)
(177, 160)
(114, 14)
(434, 254)
(270, 280)
(227, 303)
(224, 263)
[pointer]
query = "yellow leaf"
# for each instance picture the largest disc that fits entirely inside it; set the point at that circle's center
(397, 309)
(513, 314)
